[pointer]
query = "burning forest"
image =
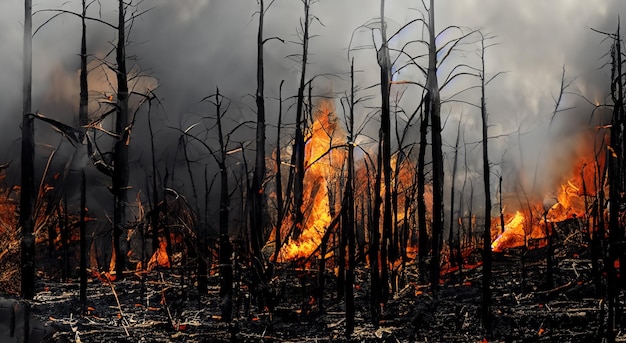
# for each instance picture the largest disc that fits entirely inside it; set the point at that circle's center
(280, 171)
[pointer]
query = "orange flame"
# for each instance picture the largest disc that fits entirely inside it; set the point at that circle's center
(322, 164)
(567, 202)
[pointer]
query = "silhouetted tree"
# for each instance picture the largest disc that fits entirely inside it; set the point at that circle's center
(120, 150)
(384, 61)
(486, 291)
(616, 230)
(83, 119)
(280, 206)
(349, 223)
(433, 109)
(298, 148)
(256, 193)
(26, 220)
(455, 247)
(423, 239)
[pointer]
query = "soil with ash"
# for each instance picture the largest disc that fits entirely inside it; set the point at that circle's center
(162, 306)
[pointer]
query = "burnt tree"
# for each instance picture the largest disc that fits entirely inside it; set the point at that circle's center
(384, 61)
(423, 239)
(298, 147)
(433, 109)
(120, 150)
(280, 207)
(615, 177)
(256, 193)
(486, 286)
(27, 197)
(454, 246)
(226, 249)
(348, 224)
(83, 119)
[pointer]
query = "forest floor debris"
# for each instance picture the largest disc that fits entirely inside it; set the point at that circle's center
(164, 306)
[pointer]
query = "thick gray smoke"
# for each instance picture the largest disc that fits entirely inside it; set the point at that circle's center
(194, 46)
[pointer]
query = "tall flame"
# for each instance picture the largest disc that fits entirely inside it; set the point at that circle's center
(323, 164)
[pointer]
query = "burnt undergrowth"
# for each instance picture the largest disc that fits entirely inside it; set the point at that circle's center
(164, 305)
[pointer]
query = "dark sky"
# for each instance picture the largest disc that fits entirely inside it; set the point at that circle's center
(193, 46)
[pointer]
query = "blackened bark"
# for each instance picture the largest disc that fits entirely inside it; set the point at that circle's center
(83, 119)
(614, 161)
(384, 62)
(349, 225)
(27, 197)
(257, 225)
(65, 265)
(83, 241)
(550, 253)
(202, 272)
(83, 113)
(486, 286)
(202, 267)
(423, 239)
(155, 213)
(341, 253)
(598, 228)
(321, 270)
(298, 148)
(455, 252)
(501, 205)
(120, 152)
(166, 228)
(226, 249)
(375, 240)
(434, 103)
(279, 176)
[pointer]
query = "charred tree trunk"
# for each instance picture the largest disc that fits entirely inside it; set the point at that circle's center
(155, 213)
(226, 249)
(166, 221)
(279, 176)
(321, 270)
(65, 264)
(423, 246)
(27, 197)
(550, 253)
(455, 251)
(374, 248)
(120, 152)
(83, 109)
(615, 173)
(83, 118)
(341, 253)
(384, 62)
(486, 286)
(470, 226)
(257, 225)
(501, 204)
(598, 228)
(433, 103)
(83, 241)
(298, 148)
(349, 225)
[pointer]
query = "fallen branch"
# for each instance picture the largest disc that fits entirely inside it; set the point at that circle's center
(554, 290)
(119, 306)
(169, 313)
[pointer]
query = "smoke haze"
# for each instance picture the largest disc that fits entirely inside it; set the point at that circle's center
(191, 47)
